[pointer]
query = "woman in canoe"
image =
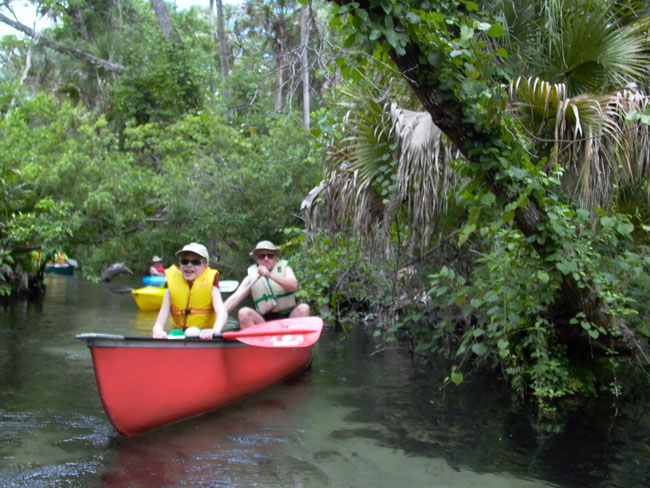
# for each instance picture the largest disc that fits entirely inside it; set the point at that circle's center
(272, 284)
(156, 267)
(192, 296)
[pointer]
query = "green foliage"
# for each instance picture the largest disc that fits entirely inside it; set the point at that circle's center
(335, 276)
(162, 82)
(6, 261)
(507, 305)
(104, 201)
(47, 226)
(143, 162)
(557, 41)
(511, 310)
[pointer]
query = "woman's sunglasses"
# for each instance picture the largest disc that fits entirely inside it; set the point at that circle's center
(193, 262)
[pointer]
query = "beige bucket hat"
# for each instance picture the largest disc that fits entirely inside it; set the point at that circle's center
(266, 246)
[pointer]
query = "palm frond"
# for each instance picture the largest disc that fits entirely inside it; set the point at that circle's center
(588, 135)
(588, 45)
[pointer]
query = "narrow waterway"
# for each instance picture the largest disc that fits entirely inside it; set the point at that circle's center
(358, 417)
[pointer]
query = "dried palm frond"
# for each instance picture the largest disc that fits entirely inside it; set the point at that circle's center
(394, 160)
(424, 175)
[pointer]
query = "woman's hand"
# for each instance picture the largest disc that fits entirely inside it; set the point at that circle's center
(159, 334)
(208, 333)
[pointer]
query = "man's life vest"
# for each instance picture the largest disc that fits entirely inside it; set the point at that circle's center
(267, 295)
(191, 307)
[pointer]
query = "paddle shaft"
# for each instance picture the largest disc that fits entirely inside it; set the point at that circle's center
(241, 294)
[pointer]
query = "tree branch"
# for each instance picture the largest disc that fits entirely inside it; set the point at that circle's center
(89, 58)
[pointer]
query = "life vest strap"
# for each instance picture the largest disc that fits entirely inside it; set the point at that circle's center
(266, 297)
(191, 311)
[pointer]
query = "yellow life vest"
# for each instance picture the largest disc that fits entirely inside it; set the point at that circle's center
(191, 307)
(269, 296)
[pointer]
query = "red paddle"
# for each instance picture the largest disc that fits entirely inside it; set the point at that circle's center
(297, 332)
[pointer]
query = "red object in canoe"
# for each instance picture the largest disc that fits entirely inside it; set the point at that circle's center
(145, 383)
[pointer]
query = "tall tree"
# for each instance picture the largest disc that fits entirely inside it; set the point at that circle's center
(223, 50)
(305, 18)
(279, 50)
(164, 18)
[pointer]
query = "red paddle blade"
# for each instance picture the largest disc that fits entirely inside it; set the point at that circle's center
(298, 332)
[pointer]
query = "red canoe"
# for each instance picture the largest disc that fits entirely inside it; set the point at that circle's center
(145, 383)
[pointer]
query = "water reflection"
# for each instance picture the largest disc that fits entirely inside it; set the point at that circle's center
(356, 418)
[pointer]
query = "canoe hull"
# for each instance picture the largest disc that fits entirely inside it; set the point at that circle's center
(147, 383)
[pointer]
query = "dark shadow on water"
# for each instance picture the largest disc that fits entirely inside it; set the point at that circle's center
(476, 426)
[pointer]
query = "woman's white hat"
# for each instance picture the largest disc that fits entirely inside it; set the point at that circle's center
(196, 248)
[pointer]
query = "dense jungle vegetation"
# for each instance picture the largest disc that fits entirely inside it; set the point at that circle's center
(467, 176)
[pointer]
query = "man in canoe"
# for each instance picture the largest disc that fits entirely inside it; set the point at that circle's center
(192, 296)
(272, 284)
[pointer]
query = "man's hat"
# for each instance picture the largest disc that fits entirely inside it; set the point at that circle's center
(266, 246)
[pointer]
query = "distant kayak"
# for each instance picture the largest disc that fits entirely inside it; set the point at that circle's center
(149, 297)
(154, 280)
(62, 269)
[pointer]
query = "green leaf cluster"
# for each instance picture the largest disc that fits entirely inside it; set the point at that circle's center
(105, 197)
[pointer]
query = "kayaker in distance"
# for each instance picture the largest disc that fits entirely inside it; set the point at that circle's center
(273, 288)
(156, 267)
(200, 313)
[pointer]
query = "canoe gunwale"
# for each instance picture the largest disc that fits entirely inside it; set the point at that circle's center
(114, 340)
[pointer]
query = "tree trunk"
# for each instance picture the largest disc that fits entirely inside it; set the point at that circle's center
(211, 19)
(280, 62)
(304, 61)
(223, 51)
(213, 38)
(77, 16)
(164, 19)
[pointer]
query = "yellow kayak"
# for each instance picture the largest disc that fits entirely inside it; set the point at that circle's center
(149, 297)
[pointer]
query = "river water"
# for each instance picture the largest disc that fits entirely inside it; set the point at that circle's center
(357, 417)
